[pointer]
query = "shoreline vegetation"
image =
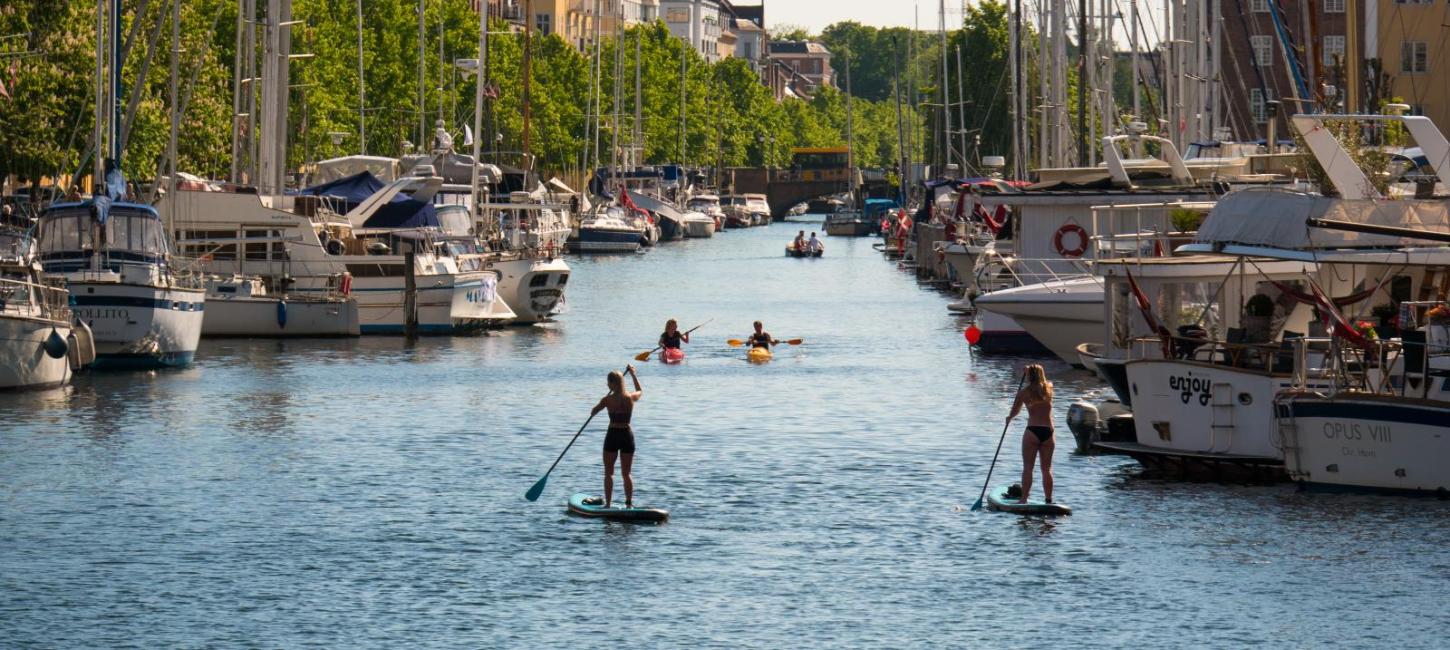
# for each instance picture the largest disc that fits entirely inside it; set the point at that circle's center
(732, 119)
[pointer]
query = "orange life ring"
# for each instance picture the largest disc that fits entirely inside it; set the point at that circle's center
(1082, 240)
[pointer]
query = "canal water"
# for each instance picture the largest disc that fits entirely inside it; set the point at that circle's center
(369, 493)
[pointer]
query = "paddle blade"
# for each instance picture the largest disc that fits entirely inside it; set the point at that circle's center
(643, 356)
(735, 343)
(975, 506)
(538, 489)
(794, 341)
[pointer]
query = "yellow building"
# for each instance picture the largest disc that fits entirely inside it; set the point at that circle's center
(574, 20)
(1409, 38)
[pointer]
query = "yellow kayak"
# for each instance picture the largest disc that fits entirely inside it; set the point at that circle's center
(758, 355)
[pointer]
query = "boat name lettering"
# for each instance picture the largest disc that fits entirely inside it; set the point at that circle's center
(1187, 387)
(1357, 431)
(104, 313)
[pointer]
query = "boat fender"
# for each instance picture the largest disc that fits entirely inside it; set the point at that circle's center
(1078, 248)
(55, 345)
(346, 283)
(282, 314)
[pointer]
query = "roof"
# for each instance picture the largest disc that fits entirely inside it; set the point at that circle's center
(797, 47)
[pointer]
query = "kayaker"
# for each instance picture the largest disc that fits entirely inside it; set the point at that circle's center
(815, 246)
(1038, 439)
(619, 439)
(672, 337)
(800, 242)
(761, 338)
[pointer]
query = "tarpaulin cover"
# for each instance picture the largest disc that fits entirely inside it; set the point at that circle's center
(348, 192)
(1276, 218)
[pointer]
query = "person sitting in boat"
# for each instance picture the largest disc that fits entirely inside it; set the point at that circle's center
(799, 245)
(1037, 440)
(815, 246)
(761, 338)
(619, 439)
(672, 337)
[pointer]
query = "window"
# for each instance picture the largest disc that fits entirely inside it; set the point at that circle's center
(1414, 56)
(1259, 6)
(1333, 47)
(1333, 6)
(1256, 106)
(543, 23)
(1263, 50)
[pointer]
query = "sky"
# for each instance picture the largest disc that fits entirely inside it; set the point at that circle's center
(815, 15)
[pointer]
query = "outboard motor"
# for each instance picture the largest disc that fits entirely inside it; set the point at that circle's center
(1083, 421)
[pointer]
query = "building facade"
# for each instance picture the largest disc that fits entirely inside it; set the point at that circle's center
(809, 59)
(700, 23)
(1256, 67)
(1411, 46)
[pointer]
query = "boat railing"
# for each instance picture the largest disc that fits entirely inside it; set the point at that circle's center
(50, 300)
(1270, 357)
(1397, 366)
(1024, 271)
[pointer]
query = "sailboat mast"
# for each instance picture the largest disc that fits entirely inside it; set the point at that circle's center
(116, 82)
(362, 93)
(902, 161)
(1082, 82)
(479, 80)
(946, 104)
(528, 73)
(637, 142)
(175, 113)
(98, 167)
(422, 100)
(683, 69)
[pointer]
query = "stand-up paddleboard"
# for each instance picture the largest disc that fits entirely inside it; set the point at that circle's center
(586, 505)
(758, 355)
(997, 499)
(672, 355)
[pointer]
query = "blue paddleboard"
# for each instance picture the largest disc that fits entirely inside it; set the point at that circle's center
(586, 505)
(997, 499)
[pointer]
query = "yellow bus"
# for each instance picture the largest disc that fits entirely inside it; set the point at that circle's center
(820, 163)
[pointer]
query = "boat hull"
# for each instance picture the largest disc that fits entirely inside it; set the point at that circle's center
(1205, 408)
(533, 287)
(700, 228)
(140, 326)
(592, 240)
(1367, 442)
(458, 303)
(24, 363)
(279, 318)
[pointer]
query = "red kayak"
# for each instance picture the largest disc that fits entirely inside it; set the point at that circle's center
(672, 355)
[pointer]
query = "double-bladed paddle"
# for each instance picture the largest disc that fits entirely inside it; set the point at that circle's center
(644, 356)
(735, 343)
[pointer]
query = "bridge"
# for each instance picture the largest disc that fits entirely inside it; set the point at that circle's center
(785, 188)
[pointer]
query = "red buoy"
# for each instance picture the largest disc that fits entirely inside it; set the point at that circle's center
(973, 335)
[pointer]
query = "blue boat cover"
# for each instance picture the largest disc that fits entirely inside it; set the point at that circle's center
(350, 191)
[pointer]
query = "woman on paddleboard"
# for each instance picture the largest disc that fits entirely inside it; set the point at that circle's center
(1037, 440)
(619, 439)
(672, 336)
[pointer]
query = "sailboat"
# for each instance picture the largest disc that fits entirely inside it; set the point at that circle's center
(116, 256)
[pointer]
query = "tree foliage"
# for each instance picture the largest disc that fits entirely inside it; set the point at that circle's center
(730, 117)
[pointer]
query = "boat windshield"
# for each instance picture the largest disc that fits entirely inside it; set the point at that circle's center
(702, 204)
(135, 231)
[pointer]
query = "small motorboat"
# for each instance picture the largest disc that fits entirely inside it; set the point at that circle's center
(792, 251)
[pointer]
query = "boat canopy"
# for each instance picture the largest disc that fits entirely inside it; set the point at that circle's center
(334, 169)
(349, 192)
(1275, 218)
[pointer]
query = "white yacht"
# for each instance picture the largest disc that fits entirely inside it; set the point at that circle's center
(699, 225)
(39, 345)
(116, 260)
(532, 270)
(323, 253)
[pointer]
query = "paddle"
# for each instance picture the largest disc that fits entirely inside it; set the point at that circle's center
(644, 356)
(538, 488)
(735, 343)
(978, 505)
